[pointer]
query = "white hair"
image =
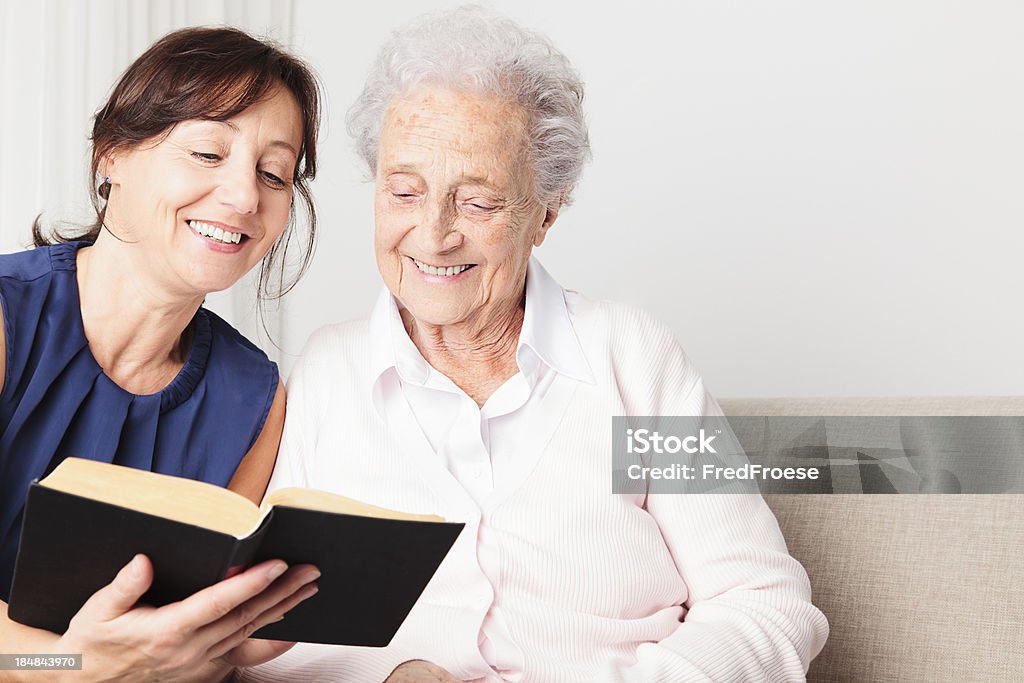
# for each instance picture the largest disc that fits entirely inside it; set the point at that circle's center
(473, 49)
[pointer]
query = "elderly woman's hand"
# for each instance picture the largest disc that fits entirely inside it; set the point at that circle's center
(419, 671)
(123, 642)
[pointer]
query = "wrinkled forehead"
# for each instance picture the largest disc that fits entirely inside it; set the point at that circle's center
(437, 125)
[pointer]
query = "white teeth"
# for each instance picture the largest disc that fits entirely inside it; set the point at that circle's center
(442, 271)
(215, 233)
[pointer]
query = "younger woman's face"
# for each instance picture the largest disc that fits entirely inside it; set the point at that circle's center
(205, 203)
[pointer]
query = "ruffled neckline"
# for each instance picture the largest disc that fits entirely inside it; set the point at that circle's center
(63, 257)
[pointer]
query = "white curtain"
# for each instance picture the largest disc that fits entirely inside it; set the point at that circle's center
(58, 61)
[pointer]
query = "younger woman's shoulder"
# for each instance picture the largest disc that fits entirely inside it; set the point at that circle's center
(231, 365)
(221, 331)
(38, 285)
(31, 264)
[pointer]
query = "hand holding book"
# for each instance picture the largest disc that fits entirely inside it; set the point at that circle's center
(118, 638)
(86, 519)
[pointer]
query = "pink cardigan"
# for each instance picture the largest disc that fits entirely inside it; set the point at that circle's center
(593, 586)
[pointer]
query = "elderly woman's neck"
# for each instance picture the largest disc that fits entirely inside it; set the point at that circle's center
(478, 355)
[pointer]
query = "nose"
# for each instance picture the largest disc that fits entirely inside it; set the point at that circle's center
(439, 221)
(239, 189)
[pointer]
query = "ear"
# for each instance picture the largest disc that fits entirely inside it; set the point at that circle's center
(550, 216)
(110, 165)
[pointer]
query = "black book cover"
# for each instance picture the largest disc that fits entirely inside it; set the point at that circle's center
(372, 570)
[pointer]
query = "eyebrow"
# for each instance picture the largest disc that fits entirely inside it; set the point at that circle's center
(408, 169)
(283, 144)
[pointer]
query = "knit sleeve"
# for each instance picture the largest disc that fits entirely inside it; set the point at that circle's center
(306, 390)
(749, 612)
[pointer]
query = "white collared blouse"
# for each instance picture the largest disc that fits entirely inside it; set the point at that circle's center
(555, 578)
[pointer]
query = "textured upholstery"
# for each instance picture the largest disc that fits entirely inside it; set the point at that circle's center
(915, 587)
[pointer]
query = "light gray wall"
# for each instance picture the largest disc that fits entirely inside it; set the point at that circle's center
(819, 198)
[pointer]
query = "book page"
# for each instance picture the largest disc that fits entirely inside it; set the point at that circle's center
(312, 499)
(176, 498)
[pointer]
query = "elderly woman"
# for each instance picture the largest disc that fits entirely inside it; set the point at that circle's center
(108, 354)
(482, 390)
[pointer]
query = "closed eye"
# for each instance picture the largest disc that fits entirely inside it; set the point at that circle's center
(273, 180)
(478, 208)
(206, 157)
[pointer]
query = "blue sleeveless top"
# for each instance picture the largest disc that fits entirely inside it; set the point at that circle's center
(57, 402)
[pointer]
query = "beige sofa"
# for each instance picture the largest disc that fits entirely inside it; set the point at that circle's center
(915, 587)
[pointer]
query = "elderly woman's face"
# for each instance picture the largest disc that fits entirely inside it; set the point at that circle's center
(205, 203)
(456, 212)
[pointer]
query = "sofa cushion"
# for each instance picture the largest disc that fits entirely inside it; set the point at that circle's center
(915, 587)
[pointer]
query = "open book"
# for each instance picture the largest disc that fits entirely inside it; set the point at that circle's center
(88, 519)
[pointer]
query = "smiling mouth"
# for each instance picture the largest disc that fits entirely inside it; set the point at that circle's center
(216, 233)
(443, 271)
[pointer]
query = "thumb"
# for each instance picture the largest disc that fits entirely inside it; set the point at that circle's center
(121, 594)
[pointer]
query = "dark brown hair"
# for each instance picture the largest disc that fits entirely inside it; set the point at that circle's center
(212, 74)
